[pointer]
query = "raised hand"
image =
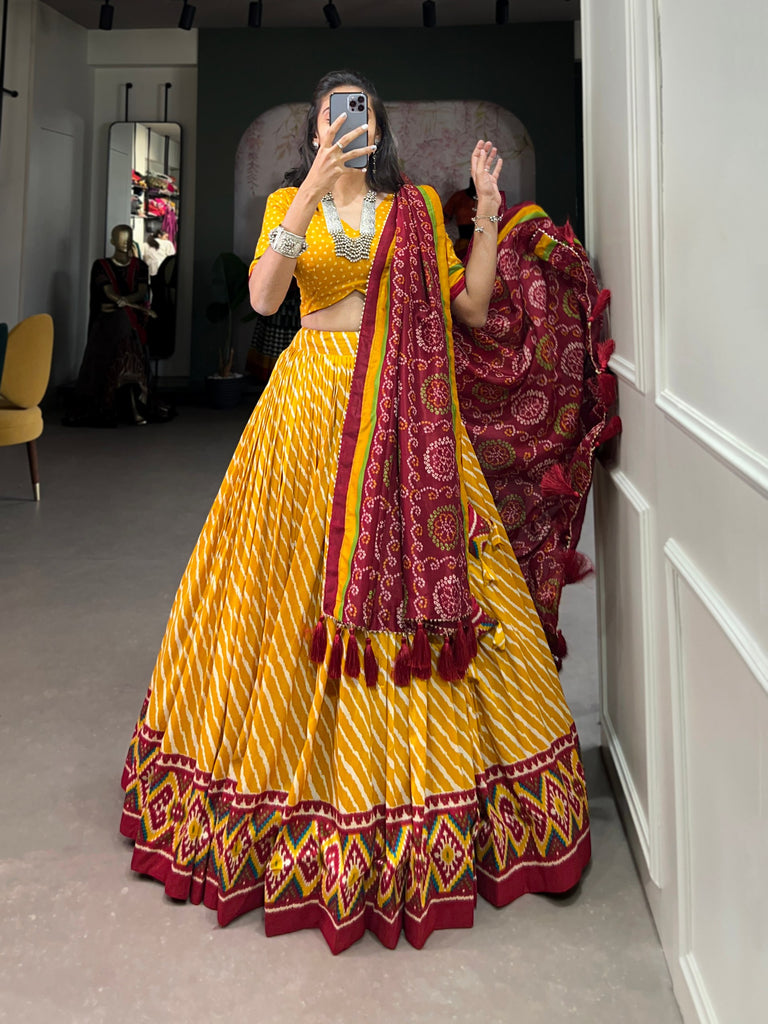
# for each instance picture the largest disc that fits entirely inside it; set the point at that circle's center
(486, 166)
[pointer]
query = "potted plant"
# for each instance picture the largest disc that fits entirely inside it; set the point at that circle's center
(230, 286)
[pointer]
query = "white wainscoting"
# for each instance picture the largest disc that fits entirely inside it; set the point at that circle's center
(644, 813)
(749, 464)
(644, 267)
(610, 127)
(719, 924)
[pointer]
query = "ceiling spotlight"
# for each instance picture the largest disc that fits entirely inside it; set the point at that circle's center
(254, 14)
(106, 14)
(429, 13)
(502, 12)
(187, 16)
(332, 15)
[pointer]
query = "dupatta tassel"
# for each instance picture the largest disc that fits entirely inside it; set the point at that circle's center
(555, 483)
(607, 389)
(319, 643)
(559, 649)
(461, 655)
(600, 305)
(577, 566)
(352, 660)
(421, 654)
(446, 665)
(370, 665)
(471, 635)
(604, 350)
(610, 430)
(402, 670)
(337, 653)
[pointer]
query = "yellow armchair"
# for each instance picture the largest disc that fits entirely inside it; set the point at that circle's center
(24, 377)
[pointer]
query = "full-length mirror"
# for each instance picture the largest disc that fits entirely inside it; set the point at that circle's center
(143, 177)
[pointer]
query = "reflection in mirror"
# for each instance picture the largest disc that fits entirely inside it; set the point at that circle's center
(143, 177)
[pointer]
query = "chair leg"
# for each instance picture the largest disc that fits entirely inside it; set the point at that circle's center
(32, 456)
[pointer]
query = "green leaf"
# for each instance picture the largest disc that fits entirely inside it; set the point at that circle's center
(234, 274)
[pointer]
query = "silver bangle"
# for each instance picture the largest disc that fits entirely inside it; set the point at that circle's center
(483, 216)
(285, 243)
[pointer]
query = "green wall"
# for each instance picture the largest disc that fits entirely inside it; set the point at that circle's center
(526, 68)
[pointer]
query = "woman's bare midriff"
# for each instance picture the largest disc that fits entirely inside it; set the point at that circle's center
(344, 315)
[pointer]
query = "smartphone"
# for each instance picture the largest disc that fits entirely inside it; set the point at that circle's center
(355, 106)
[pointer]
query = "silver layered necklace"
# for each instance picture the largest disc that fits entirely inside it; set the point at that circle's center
(352, 249)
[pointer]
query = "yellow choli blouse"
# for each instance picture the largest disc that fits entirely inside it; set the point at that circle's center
(323, 277)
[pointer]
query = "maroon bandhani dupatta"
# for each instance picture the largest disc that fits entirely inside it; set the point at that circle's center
(536, 395)
(396, 558)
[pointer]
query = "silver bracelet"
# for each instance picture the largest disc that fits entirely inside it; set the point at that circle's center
(285, 243)
(483, 216)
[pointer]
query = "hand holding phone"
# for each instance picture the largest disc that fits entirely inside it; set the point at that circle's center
(355, 106)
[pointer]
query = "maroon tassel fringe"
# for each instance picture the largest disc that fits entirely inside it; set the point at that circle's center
(319, 642)
(352, 660)
(599, 307)
(446, 665)
(604, 351)
(568, 232)
(611, 429)
(469, 630)
(337, 653)
(555, 483)
(577, 566)
(559, 649)
(607, 389)
(402, 672)
(370, 665)
(461, 656)
(421, 654)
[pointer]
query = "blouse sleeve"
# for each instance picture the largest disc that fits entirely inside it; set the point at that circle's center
(455, 269)
(277, 207)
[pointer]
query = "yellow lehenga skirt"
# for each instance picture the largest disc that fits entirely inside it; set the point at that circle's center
(252, 779)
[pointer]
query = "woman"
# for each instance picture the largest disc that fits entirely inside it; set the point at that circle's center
(355, 719)
(157, 248)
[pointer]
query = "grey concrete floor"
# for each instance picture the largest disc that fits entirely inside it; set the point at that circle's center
(86, 581)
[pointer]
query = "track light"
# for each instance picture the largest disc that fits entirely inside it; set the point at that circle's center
(106, 14)
(429, 13)
(254, 14)
(187, 16)
(332, 15)
(502, 12)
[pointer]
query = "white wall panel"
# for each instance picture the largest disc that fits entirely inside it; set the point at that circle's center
(627, 681)
(715, 152)
(674, 190)
(606, 125)
(14, 154)
(55, 271)
(720, 705)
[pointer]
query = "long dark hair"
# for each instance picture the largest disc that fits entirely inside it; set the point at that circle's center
(383, 174)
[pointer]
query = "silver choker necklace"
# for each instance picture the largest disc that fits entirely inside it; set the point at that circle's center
(352, 249)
